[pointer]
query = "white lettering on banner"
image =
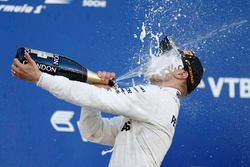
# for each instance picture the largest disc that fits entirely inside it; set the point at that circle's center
(38, 9)
(16, 9)
(243, 83)
(60, 121)
(245, 88)
(216, 89)
(22, 8)
(231, 83)
(28, 9)
(94, 3)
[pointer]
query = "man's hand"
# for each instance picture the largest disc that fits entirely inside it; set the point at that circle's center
(27, 72)
(106, 76)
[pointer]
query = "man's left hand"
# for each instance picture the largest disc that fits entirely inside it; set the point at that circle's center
(28, 72)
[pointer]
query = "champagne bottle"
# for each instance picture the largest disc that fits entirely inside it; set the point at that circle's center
(60, 65)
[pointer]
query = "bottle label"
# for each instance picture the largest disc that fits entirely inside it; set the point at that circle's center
(41, 54)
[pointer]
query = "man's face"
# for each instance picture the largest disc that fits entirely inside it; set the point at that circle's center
(160, 67)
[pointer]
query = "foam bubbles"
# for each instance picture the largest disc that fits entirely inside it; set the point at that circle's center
(184, 22)
(143, 33)
(159, 66)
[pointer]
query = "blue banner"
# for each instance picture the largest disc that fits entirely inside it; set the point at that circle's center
(213, 128)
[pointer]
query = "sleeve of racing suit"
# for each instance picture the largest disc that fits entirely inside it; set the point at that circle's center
(97, 129)
(131, 105)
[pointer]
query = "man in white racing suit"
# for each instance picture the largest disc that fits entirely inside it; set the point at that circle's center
(142, 132)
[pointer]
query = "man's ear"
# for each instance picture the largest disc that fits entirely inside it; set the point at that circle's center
(182, 75)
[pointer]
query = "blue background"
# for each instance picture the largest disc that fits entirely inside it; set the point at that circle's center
(211, 131)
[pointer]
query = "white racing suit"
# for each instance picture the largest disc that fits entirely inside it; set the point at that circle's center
(142, 133)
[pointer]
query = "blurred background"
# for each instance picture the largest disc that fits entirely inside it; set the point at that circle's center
(213, 128)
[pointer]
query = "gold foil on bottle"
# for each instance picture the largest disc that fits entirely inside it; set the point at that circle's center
(93, 78)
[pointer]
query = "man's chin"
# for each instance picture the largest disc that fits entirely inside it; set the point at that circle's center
(154, 79)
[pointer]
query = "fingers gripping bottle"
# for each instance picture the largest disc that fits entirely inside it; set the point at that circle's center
(60, 65)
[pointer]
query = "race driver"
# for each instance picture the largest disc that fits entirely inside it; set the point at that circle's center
(142, 132)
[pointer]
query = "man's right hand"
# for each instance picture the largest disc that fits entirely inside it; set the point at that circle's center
(106, 76)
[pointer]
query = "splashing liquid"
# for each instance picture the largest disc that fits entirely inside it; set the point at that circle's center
(182, 21)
